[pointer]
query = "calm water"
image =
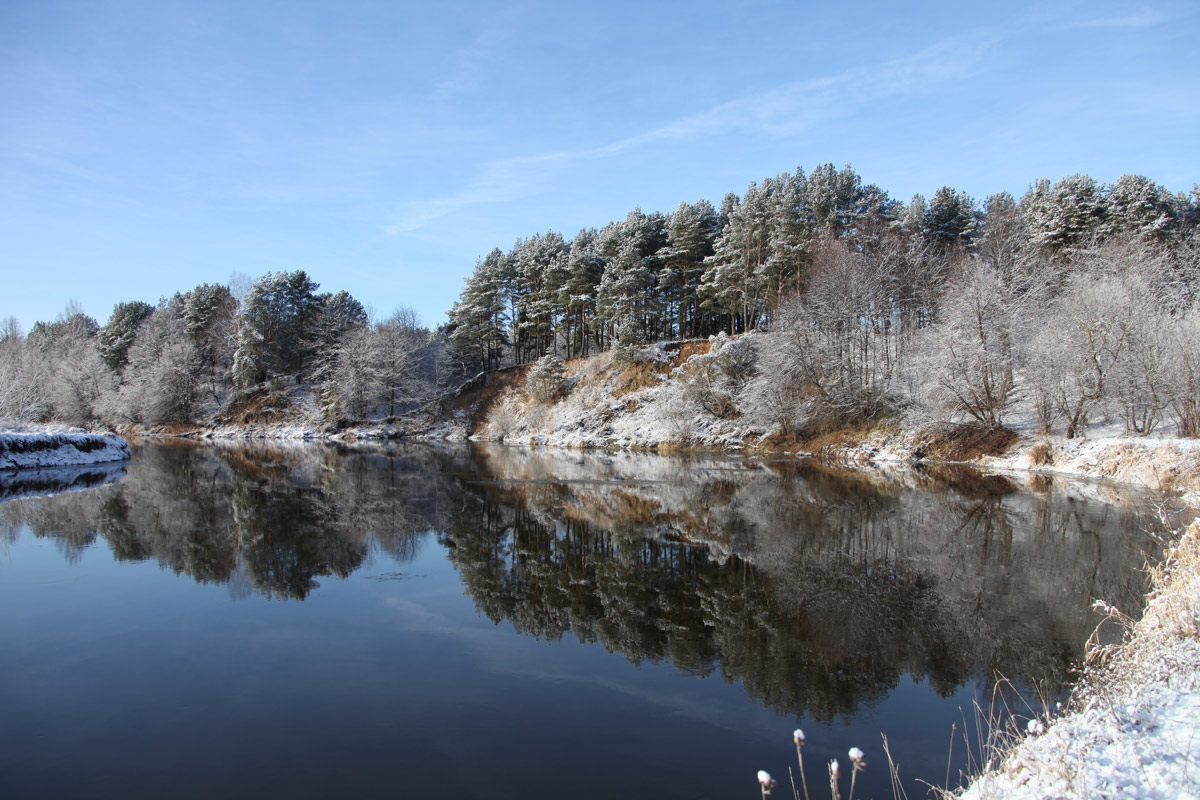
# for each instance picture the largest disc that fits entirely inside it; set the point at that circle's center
(494, 622)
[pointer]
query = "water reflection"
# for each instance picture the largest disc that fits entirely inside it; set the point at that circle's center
(56, 480)
(816, 590)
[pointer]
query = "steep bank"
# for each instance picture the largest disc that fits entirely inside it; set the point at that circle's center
(692, 395)
(74, 447)
(1133, 726)
(655, 404)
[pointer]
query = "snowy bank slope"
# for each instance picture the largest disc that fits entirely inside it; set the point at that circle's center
(1134, 730)
(25, 450)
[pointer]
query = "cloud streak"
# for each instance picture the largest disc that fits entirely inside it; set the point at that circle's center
(1140, 21)
(783, 111)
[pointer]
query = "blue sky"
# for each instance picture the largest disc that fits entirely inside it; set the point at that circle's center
(147, 147)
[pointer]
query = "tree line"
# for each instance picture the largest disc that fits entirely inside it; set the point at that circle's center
(198, 352)
(1080, 297)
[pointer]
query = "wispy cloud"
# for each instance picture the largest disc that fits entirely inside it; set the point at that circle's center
(786, 110)
(1147, 18)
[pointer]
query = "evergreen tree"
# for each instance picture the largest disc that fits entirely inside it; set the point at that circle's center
(478, 320)
(1063, 216)
(1140, 207)
(273, 324)
(691, 232)
(952, 219)
(117, 335)
(577, 295)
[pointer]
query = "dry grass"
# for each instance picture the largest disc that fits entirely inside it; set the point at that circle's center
(682, 351)
(966, 443)
(1040, 455)
(261, 406)
(638, 376)
(499, 383)
(823, 436)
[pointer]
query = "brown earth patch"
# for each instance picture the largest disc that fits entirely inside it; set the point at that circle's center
(480, 401)
(821, 435)
(638, 376)
(257, 407)
(966, 443)
(682, 351)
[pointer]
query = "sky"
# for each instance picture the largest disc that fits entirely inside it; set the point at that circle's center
(383, 147)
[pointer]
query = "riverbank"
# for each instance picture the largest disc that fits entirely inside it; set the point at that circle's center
(58, 448)
(1132, 728)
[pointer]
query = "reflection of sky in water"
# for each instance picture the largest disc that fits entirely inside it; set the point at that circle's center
(145, 677)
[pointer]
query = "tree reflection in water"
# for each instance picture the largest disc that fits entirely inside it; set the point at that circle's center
(816, 590)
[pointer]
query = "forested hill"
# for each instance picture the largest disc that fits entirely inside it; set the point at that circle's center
(1075, 303)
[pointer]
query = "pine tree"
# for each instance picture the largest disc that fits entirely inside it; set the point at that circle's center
(1063, 216)
(117, 335)
(273, 327)
(951, 220)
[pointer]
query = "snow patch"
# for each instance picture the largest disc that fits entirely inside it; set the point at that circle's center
(1135, 728)
(73, 447)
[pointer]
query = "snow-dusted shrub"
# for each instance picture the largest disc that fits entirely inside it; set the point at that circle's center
(712, 379)
(970, 353)
(1185, 372)
(547, 379)
(1104, 347)
(844, 350)
(629, 350)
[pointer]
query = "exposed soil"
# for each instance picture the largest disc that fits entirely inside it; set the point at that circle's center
(496, 384)
(258, 407)
(965, 443)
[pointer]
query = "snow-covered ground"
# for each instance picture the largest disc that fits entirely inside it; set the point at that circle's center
(1133, 728)
(61, 448)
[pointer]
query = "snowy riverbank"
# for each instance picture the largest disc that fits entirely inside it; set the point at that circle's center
(71, 447)
(1133, 726)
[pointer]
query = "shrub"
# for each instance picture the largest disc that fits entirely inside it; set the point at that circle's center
(547, 379)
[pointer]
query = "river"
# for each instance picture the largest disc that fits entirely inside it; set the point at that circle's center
(483, 621)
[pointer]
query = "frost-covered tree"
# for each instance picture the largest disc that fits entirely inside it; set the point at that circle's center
(272, 327)
(1003, 242)
(1184, 369)
(736, 277)
(970, 351)
(478, 321)
(400, 347)
(335, 316)
(843, 351)
(23, 379)
(691, 231)
(951, 220)
(164, 374)
(75, 375)
(577, 295)
(1071, 356)
(547, 379)
(352, 381)
(210, 320)
(1062, 216)
(116, 337)
(1138, 206)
